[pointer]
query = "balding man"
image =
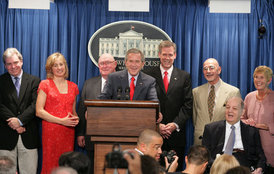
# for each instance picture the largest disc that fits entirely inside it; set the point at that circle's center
(233, 137)
(150, 143)
(209, 98)
(91, 89)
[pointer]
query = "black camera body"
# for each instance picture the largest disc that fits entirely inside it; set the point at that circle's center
(115, 158)
(169, 155)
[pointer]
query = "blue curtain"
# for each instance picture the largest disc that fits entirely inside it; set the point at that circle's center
(230, 38)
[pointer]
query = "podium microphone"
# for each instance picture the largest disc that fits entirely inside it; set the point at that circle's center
(119, 93)
(127, 91)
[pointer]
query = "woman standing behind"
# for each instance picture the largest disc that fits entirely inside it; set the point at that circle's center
(259, 111)
(55, 104)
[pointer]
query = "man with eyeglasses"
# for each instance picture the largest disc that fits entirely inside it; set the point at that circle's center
(91, 89)
(209, 99)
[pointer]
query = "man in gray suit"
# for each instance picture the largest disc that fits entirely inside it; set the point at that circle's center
(91, 89)
(130, 83)
(221, 91)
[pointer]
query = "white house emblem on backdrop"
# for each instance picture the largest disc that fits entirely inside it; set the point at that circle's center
(118, 37)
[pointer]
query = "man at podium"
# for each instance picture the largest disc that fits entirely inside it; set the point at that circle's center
(130, 84)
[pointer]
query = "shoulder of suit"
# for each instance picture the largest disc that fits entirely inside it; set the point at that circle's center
(146, 76)
(5, 75)
(93, 79)
(200, 87)
(242, 124)
(216, 123)
(228, 86)
(31, 76)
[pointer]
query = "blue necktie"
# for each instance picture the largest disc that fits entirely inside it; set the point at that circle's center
(230, 142)
(17, 85)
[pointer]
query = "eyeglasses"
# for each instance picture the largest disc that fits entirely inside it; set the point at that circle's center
(206, 68)
(106, 63)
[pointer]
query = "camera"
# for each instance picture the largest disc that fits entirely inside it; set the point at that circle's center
(115, 158)
(169, 155)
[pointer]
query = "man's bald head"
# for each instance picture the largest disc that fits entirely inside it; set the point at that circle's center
(212, 70)
(150, 143)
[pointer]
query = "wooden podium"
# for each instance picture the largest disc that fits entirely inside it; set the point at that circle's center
(117, 121)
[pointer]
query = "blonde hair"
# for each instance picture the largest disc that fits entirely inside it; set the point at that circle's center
(268, 73)
(223, 163)
(50, 62)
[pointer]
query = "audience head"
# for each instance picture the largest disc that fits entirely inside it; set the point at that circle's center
(167, 53)
(134, 61)
(149, 165)
(13, 61)
(7, 166)
(234, 109)
(56, 66)
(223, 163)
(262, 77)
(211, 70)
(150, 143)
(238, 170)
(64, 170)
(76, 160)
(106, 64)
(197, 157)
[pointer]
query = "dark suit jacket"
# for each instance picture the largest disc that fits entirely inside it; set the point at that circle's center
(144, 89)
(176, 104)
(22, 107)
(90, 91)
(214, 138)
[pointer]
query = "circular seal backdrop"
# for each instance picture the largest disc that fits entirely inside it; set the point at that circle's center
(118, 37)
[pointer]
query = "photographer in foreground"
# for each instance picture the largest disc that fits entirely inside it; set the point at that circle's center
(150, 143)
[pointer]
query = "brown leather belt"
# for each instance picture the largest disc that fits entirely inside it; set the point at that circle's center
(237, 150)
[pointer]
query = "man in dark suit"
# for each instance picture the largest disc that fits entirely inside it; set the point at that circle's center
(175, 96)
(246, 146)
(91, 89)
(18, 123)
(130, 83)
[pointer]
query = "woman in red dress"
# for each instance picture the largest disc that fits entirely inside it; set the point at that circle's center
(55, 104)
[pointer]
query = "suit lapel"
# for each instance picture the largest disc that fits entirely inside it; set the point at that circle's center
(204, 97)
(23, 87)
(173, 80)
(244, 133)
(138, 87)
(124, 79)
(221, 99)
(222, 135)
(159, 79)
(98, 86)
(10, 84)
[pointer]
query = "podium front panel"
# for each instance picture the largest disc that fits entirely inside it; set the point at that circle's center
(119, 121)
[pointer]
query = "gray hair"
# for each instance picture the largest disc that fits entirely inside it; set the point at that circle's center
(11, 51)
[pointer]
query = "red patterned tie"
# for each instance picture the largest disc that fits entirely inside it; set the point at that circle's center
(166, 81)
(132, 87)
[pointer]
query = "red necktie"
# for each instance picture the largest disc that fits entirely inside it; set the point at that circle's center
(166, 81)
(132, 87)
